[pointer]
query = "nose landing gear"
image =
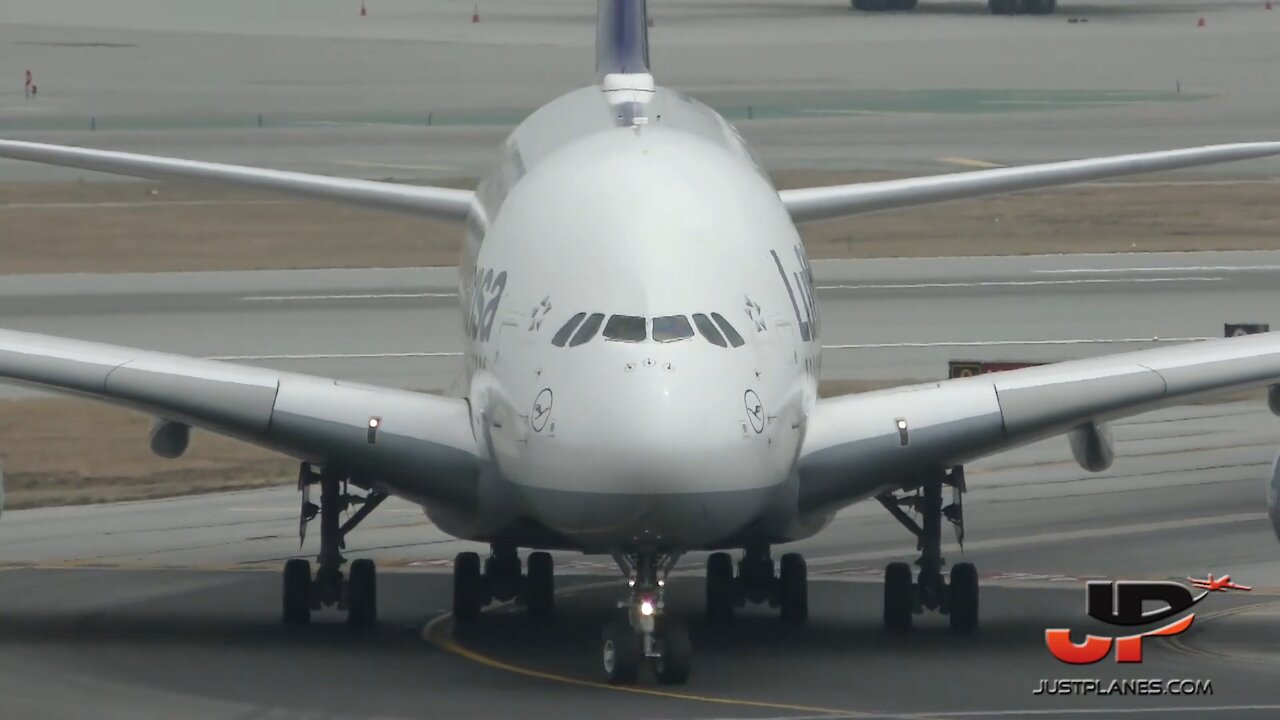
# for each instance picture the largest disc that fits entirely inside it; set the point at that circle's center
(958, 598)
(643, 631)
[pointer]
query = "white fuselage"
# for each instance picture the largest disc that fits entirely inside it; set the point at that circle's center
(672, 440)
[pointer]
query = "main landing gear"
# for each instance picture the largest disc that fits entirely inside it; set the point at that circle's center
(643, 631)
(357, 593)
(757, 582)
(501, 579)
(959, 598)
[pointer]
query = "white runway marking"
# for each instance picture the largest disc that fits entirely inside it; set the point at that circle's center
(139, 204)
(357, 296)
(1168, 268)
(336, 356)
(1019, 283)
(393, 166)
(987, 343)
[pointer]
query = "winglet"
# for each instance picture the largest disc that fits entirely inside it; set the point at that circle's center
(622, 37)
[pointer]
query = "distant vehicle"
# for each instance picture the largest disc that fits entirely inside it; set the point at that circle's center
(997, 7)
(643, 349)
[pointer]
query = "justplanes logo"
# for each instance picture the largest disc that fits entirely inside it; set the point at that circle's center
(1121, 603)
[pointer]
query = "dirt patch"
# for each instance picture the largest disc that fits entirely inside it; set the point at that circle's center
(126, 226)
(72, 452)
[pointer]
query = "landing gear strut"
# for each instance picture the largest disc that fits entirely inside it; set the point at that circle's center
(356, 593)
(502, 580)
(643, 631)
(756, 582)
(930, 591)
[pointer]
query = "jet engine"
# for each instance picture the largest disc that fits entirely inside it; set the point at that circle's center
(170, 439)
(1273, 496)
(1092, 446)
(1273, 399)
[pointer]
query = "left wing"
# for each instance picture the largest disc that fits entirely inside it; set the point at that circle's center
(826, 203)
(422, 447)
(432, 202)
(857, 446)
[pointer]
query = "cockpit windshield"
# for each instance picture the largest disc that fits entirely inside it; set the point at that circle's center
(625, 328)
(671, 328)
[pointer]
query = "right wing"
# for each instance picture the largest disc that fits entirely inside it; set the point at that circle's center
(826, 203)
(423, 447)
(431, 202)
(861, 445)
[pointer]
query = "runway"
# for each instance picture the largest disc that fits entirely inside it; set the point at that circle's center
(884, 319)
(169, 608)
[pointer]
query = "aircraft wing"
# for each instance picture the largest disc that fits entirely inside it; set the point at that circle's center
(855, 448)
(826, 203)
(423, 445)
(432, 202)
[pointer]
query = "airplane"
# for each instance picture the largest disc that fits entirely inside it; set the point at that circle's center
(643, 348)
(1222, 584)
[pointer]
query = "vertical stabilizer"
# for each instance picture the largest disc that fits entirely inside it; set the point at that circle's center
(622, 38)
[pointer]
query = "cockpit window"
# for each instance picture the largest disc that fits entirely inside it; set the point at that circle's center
(670, 328)
(625, 328)
(709, 330)
(588, 330)
(729, 332)
(562, 335)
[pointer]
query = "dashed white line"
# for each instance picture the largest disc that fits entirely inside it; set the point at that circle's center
(336, 356)
(1019, 283)
(991, 343)
(355, 296)
(1166, 269)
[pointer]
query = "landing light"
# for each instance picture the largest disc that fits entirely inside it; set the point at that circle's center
(646, 607)
(662, 583)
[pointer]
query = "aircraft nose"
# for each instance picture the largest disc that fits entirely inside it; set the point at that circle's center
(659, 455)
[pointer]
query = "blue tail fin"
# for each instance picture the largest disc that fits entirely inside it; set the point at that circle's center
(622, 37)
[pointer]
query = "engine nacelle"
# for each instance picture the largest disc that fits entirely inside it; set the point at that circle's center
(1273, 399)
(170, 439)
(1273, 496)
(1092, 446)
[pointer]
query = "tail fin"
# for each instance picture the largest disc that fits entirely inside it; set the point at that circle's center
(622, 37)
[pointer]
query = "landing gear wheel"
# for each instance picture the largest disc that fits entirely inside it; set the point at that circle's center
(999, 7)
(674, 664)
(899, 597)
(468, 587)
(964, 597)
(362, 594)
(793, 589)
(540, 587)
(720, 593)
(297, 592)
(620, 653)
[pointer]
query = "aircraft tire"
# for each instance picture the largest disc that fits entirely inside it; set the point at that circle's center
(676, 662)
(793, 589)
(899, 597)
(468, 588)
(620, 653)
(964, 597)
(362, 594)
(296, 595)
(720, 590)
(540, 587)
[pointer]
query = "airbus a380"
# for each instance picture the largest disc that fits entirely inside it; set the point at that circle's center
(643, 353)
